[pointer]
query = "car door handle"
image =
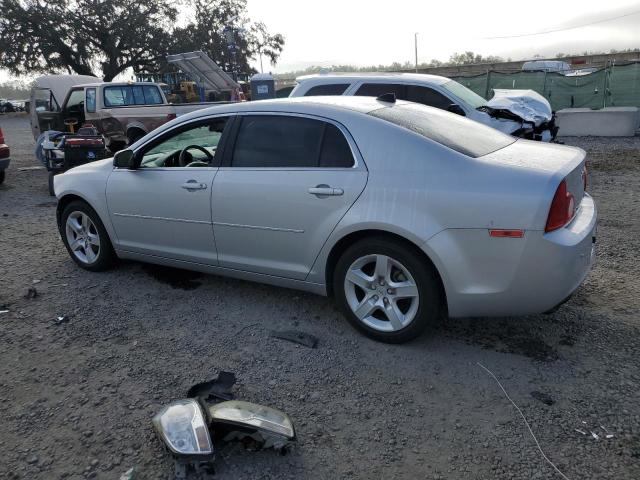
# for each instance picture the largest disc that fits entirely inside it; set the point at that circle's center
(192, 185)
(325, 191)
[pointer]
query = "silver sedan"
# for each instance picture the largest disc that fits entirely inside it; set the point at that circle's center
(400, 211)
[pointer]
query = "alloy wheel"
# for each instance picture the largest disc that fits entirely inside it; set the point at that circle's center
(83, 237)
(381, 293)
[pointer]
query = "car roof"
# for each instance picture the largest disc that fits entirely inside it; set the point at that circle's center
(335, 77)
(317, 105)
(113, 84)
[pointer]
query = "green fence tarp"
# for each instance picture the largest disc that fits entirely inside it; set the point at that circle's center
(617, 86)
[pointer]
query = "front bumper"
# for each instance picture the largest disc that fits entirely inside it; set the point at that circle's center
(486, 276)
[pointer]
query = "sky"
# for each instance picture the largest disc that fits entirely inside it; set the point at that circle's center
(373, 32)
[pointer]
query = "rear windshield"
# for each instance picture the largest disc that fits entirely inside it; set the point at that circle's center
(458, 133)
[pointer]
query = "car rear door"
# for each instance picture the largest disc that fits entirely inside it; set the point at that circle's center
(284, 185)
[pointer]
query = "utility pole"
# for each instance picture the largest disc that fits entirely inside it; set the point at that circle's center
(415, 38)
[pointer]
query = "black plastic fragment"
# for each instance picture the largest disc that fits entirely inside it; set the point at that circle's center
(219, 388)
(296, 337)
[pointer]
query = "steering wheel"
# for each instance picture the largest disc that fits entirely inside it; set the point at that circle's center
(182, 159)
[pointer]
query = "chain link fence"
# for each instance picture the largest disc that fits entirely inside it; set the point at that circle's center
(613, 86)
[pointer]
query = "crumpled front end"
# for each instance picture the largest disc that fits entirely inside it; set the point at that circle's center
(531, 113)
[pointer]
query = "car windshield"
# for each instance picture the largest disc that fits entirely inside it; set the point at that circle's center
(463, 93)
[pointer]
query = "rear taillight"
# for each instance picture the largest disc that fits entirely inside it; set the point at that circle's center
(1, 136)
(171, 116)
(562, 208)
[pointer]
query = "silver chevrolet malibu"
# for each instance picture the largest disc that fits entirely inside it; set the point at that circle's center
(400, 211)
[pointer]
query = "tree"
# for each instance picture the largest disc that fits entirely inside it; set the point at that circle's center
(220, 25)
(469, 58)
(88, 37)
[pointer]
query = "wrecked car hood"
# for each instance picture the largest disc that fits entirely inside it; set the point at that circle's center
(526, 104)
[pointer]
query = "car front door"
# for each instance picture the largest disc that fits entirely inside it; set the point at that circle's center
(284, 185)
(163, 207)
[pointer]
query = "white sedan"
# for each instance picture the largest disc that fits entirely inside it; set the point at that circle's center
(401, 212)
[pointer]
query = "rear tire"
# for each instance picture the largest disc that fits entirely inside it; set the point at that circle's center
(85, 237)
(387, 290)
(2, 176)
(134, 136)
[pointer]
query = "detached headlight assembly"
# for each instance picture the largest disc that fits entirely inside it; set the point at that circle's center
(264, 419)
(183, 429)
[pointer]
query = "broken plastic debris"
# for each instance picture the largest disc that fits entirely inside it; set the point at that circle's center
(31, 293)
(296, 337)
(595, 435)
(129, 474)
(4, 309)
(60, 319)
(580, 431)
(219, 388)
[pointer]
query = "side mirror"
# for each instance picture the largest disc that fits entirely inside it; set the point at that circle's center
(124, 159)
(457, 109)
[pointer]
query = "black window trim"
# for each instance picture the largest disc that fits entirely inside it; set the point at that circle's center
(220, 150)
(358, 161)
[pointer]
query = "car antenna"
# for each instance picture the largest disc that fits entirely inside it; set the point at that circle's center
(387, 97)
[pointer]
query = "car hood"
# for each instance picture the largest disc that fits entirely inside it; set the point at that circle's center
(528, 105)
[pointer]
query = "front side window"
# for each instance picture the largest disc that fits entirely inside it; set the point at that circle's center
(194, 146)
(44, 101)
(91, 100)
(279, 141)
(465, 94)
(427, 96)
(330, 89)
(76, 100)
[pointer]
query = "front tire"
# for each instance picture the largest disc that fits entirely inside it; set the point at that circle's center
(387, 290)
(85, 237)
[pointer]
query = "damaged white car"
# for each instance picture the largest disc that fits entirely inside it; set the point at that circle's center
(521, 113)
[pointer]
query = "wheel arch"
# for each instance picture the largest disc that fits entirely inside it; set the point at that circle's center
(135, 128)
(70, 197)
(349, 239)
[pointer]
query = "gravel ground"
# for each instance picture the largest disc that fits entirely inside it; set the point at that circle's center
(76, 399)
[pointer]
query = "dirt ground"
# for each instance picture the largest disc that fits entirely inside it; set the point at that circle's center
(76, 398)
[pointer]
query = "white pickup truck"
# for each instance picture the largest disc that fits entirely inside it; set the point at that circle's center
(123, 112)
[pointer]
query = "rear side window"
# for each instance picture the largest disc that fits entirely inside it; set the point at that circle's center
(125, 95)
(377, 89)
(335, 152)
(330, 89)
(458, 133)
(278, 141)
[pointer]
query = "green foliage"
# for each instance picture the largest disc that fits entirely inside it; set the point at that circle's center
(207, 33)
(106, 37)
(15, 90)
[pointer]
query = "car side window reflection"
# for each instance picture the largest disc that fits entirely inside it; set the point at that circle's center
(193, 147)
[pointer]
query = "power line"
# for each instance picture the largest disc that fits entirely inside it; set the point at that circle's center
(563, 29)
